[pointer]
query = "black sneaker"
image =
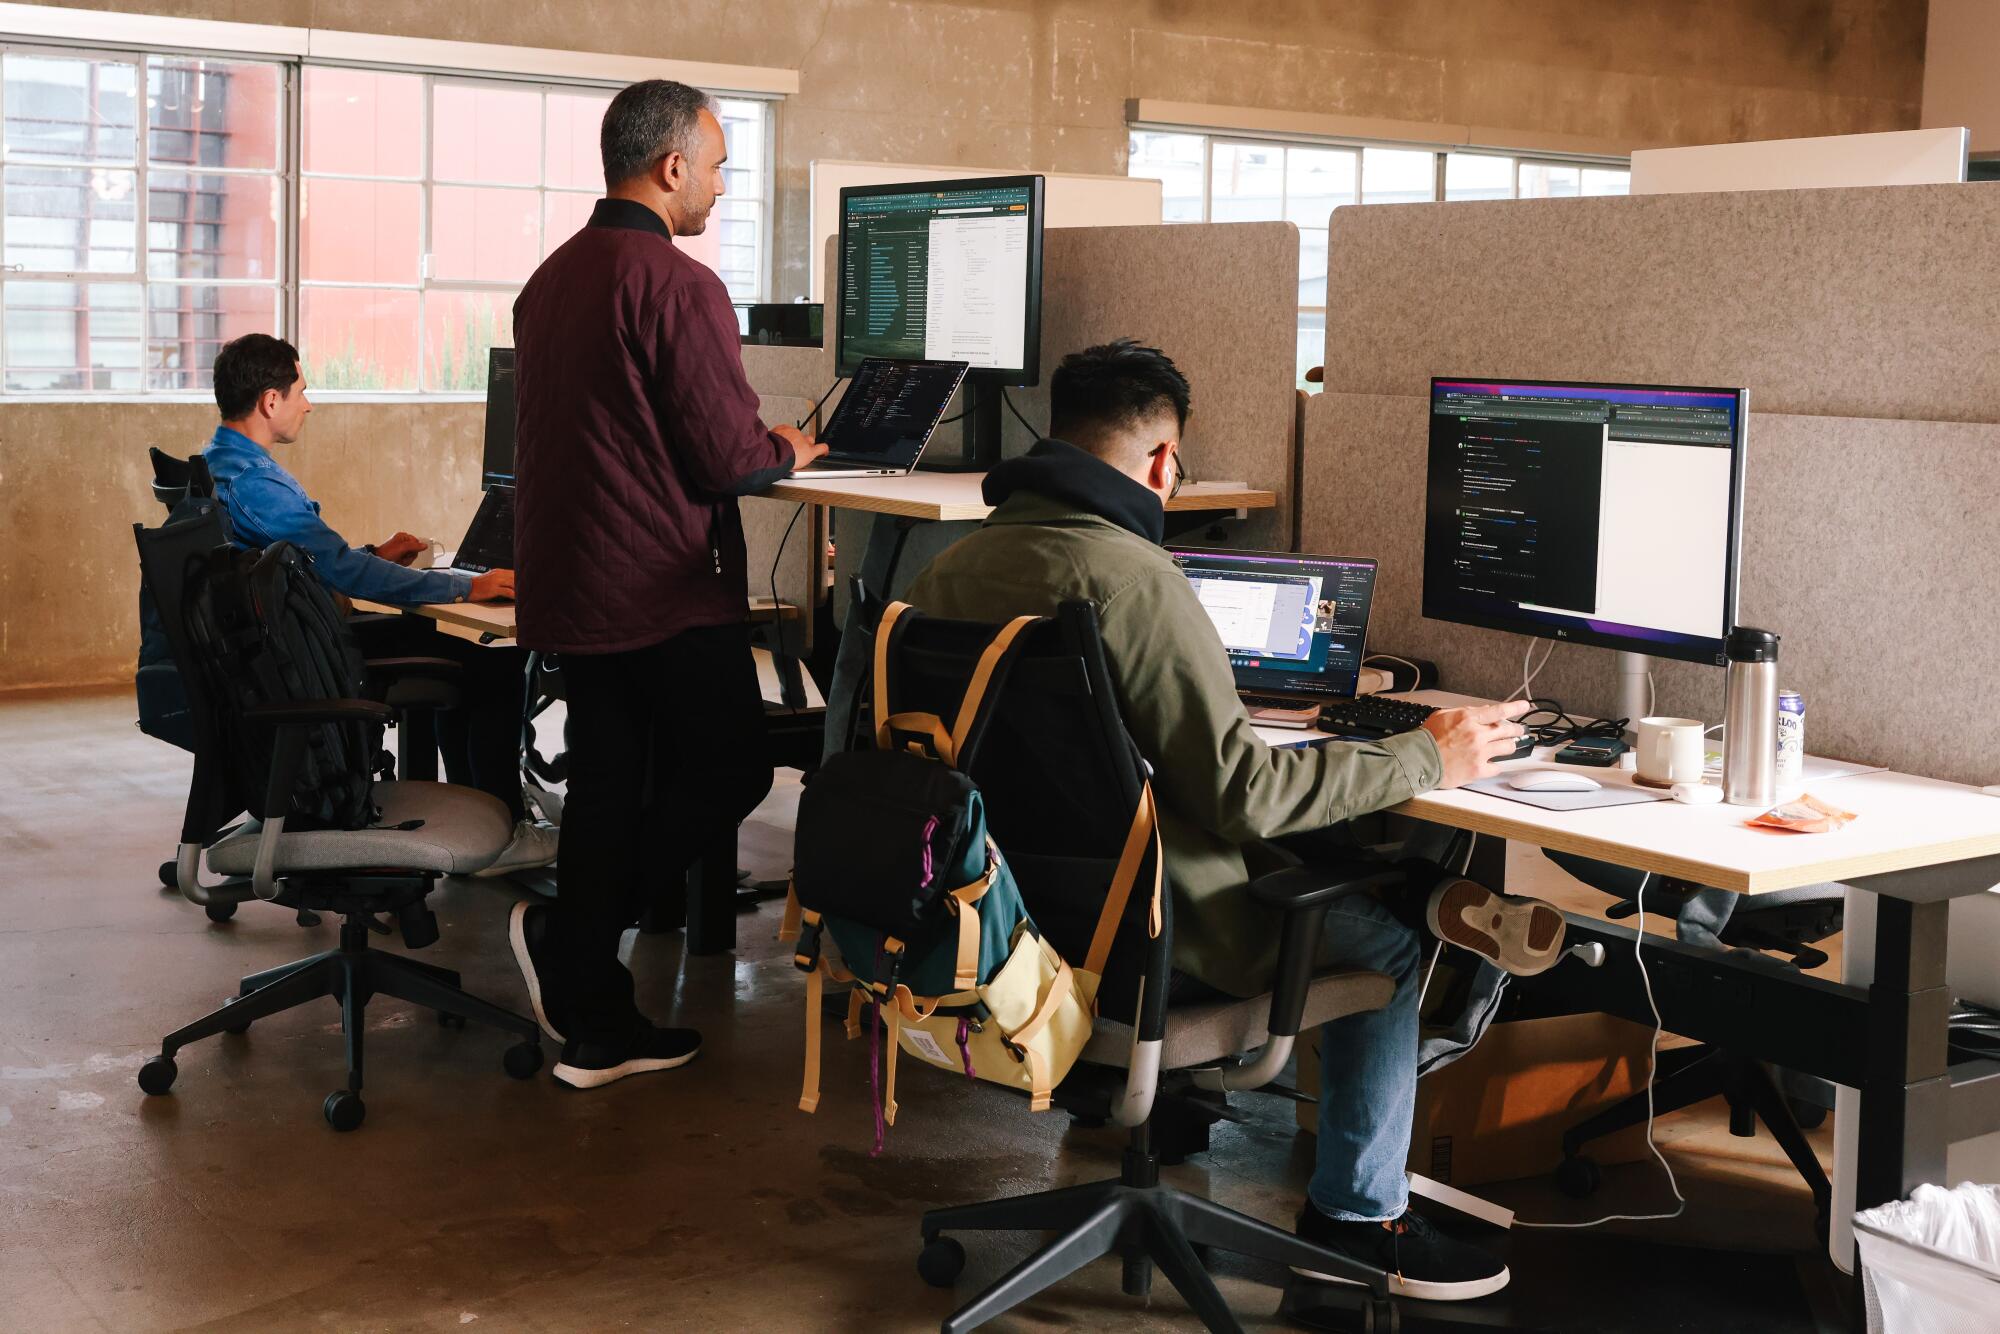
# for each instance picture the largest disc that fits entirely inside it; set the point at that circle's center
(1421, 1261)
(589, 1065)
(527, 932)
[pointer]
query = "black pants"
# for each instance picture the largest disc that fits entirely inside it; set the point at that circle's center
(667, 754)
(481, 739)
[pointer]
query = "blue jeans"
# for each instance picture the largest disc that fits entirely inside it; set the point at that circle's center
(1368, 1069)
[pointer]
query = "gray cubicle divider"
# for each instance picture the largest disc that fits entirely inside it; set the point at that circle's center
(1874, 455)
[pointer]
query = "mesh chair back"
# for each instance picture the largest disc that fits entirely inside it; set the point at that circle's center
(1059, 775)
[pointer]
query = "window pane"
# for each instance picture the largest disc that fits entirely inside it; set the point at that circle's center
(72, 219)
(738, 229)
(743, 129)
(72, 336)
(1398, 176)
(1478, 176)
(484, 235)
(213, 226)
(1312, 344)
(1174, 160)
(357, 338)
(212, 113)
(1247, 183)
(1606, 181)
(563, 216)
(574, 158)
(1547, 180)
(1316, 182)
(187, 326)
(459, 329)
(359, 231)
(79, 110)
(492, 135)
(361, 122)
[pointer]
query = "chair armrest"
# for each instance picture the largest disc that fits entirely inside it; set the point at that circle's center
(435, 669)
(302, 711)
(1298, 887)
(1304, 893)
(416, 683)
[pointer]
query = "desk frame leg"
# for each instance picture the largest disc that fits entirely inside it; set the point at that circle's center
(417, 746)
(1905, 1102)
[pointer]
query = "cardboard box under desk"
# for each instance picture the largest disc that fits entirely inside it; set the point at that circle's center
(1498, 1113)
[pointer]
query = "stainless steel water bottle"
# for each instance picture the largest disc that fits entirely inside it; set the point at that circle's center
(1750, 717)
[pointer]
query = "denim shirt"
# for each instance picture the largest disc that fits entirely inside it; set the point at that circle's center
(264, 504)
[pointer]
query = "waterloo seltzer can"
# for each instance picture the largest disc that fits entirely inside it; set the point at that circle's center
(1791, 741)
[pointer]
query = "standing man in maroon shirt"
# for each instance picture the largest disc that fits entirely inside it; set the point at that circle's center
(636, 432)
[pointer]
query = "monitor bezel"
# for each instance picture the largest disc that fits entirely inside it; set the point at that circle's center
(1254, 678)
(487, 477)
(1031, 373)
(1682, 648)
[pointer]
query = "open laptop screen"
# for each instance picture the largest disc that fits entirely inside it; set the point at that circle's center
(1294, 624)
(890, 410)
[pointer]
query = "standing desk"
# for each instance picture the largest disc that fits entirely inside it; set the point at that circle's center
(940, 498)
(1918, 843)
(708, 903)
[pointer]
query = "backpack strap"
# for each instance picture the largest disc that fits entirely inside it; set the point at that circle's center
(962, 901)
(809, 1090)
(1024, 1038)
(1145, 831)
(952, 747)
(987, 674)
(885, 639)
(894, 1015)
(788, 925)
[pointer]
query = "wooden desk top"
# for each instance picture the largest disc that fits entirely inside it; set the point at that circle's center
(1904, 823)
(493, 622)
(942, 496)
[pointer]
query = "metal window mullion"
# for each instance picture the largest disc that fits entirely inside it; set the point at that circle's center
(427, 128)
(292, 183)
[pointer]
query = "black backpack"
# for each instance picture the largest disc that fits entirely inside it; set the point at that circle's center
(268, 632)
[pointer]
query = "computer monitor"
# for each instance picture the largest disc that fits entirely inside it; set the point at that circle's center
(1605, 514)
(945, 271)
(499, 455)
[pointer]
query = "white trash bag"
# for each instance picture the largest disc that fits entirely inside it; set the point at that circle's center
(1931, 1263)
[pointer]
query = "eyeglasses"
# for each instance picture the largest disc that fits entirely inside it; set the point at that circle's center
(1181, 477)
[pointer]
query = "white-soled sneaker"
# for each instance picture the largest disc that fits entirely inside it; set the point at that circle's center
(534, 845)
(527, 929)
(589, 1065)
(1421, 1262)
(1520, 936)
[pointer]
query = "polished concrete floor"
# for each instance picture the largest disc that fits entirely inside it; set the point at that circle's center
(699, 1199)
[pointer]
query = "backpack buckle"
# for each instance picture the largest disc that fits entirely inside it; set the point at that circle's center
(892, 950)
(806, 957)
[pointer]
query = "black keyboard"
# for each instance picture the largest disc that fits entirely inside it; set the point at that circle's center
(1372, 716)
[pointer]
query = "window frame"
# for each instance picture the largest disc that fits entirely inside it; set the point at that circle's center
(289, 284)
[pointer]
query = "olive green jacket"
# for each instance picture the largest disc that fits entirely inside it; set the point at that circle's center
(1219, 787)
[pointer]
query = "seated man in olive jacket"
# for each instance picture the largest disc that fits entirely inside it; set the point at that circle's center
(1081, 516)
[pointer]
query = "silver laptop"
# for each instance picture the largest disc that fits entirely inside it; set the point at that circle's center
(889, 413)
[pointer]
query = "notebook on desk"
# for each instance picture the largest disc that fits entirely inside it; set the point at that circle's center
(1295, 625)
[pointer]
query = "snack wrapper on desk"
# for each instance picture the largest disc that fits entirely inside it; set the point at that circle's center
(1804, 815)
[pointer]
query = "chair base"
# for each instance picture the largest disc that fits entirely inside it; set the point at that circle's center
(353, 974)
(1145, 1224)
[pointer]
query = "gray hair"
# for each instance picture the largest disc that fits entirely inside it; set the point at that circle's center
(647, 121)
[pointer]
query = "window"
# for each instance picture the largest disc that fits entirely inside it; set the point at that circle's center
(147, 216)
(142, 213)
(1217, 179)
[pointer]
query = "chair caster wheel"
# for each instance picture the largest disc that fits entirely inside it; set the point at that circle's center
(237, 1030)
(941, 1261)
(169, 876)
(344, 1110)
(1381, 1317)
(156, 1076)
(219, 912)
(522, 1059)
(1809, 1115)
(446, 1019)
(1579, 1177)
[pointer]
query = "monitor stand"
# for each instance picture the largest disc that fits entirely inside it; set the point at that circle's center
(979, 433)
(1634, 690)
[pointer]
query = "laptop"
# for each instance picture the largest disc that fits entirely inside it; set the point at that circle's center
(889, 413)
(489, 542)
(1295, 626)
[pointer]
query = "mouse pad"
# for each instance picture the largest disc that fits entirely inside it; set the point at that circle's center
(1611, 794)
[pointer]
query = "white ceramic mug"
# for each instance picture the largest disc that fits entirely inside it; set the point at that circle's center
(1669, 751)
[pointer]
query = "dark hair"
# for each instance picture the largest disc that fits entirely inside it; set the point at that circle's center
(647, 121)
(1114, 387)
(248, 366)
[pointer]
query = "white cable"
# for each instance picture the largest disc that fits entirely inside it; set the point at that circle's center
(1653, 1067)
(1415, 671)
(1652, 699)
(1528, 677)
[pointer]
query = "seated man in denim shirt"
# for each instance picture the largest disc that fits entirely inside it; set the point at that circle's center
(261, 392)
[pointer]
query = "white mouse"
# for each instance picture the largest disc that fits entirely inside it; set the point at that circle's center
(1552, 780)
(1697, 794)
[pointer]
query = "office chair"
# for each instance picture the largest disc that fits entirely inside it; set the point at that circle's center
(1060, 779)
(1786, 922)
(425, 830)
(184, 487)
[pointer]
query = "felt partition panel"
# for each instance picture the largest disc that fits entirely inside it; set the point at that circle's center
(764, 528)
(1875, 302)
(1867, 543)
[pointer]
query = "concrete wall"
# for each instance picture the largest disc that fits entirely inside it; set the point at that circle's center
(1041, 83)
(1959, 87)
